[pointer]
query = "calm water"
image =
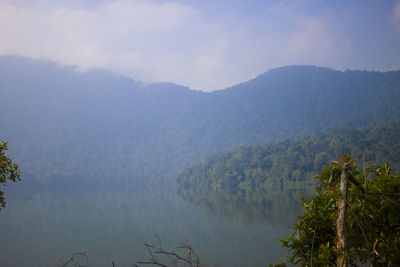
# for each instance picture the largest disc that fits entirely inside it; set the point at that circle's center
(41, 228)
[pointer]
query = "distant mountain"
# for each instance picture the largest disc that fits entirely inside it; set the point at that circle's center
(63, 125)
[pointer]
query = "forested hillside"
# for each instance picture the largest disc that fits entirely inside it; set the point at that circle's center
(255, 177)
(62, 125)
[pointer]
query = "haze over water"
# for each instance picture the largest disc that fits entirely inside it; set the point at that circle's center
(39, 229)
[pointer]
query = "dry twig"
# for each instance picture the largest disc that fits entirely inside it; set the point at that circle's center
(76, 260)
(190, 258)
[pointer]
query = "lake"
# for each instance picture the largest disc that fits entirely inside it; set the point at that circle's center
(42, 228)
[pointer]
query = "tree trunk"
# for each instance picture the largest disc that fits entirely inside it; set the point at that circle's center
(342, 243)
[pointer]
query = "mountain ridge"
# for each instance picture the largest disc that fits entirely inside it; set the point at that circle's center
(59, 121)
(296, 68)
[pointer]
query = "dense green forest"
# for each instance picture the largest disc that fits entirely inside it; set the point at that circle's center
(67, 127)
(254, 177)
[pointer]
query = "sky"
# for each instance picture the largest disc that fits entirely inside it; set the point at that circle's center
(203, 44)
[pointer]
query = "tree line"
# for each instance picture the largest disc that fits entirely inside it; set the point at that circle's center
(288, 165)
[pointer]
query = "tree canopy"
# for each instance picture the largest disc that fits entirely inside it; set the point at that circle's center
(9, 171)
(373, 219)
(280, 172)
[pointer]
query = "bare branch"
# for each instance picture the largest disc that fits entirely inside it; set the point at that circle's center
(190, 258)
(75, 260)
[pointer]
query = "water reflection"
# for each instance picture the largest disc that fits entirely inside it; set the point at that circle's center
(249, 207)
(40, 227)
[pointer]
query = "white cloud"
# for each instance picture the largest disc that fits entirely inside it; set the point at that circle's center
(149, 41)
(164, 41)
(313, 43)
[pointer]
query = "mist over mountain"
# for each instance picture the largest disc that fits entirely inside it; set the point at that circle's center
(63, 125)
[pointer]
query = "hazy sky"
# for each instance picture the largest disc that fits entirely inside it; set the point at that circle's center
(203, 44)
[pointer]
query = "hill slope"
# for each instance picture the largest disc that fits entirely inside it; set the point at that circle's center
(255, 181)
(98, 125)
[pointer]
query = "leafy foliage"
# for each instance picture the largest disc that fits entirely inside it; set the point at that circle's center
(373, 219)
(257, 174)
(9, 171)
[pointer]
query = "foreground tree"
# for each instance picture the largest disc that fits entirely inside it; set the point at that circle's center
(352, 220)
(9, 171)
